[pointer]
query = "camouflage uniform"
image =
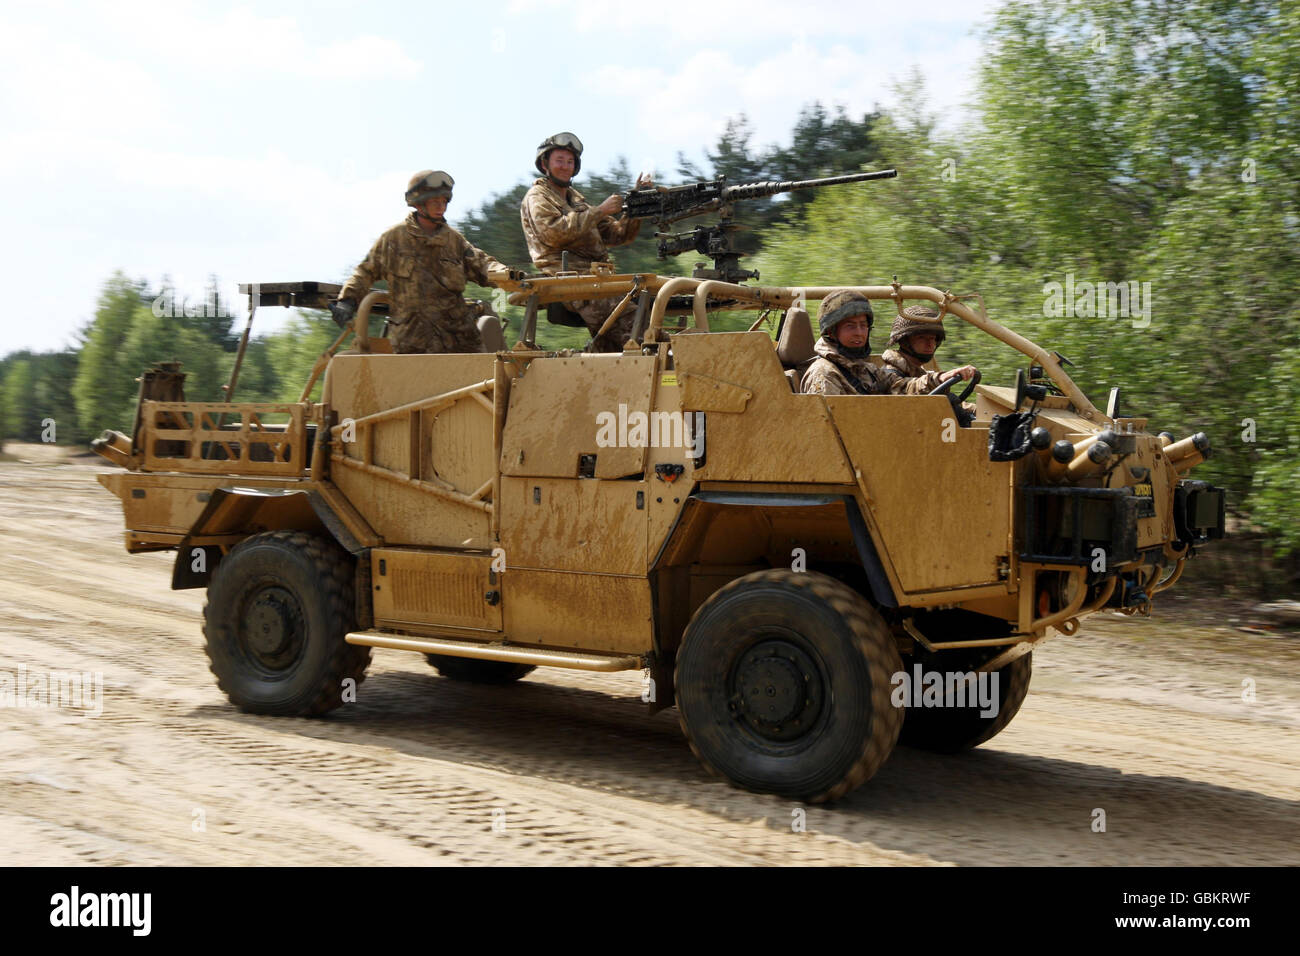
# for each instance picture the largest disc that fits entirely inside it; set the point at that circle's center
(907, 323)
(556, 221)
(426, 274)
(837, 372)
(834, 372)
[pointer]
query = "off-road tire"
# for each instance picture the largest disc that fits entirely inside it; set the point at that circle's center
(478, 672)
(949, 730)
(814, 739)
(279, 605)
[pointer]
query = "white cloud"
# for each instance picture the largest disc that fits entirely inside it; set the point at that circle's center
(187, 34)
(693, 102)
(729, 21)
(52, 82)
(154, 211)
(239, 39)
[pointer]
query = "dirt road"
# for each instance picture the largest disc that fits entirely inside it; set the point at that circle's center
(1144, 720)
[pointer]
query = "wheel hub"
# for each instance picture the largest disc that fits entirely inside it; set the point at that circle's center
(777, 690)
(273, 628)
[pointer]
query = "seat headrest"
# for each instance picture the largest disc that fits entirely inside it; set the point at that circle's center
(494, 339)
(795, 344)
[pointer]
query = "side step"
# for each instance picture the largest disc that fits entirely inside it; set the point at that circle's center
(514, 653)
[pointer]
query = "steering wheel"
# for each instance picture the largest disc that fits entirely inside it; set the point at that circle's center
(944, 388)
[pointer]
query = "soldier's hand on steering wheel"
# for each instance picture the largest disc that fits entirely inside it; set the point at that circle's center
(951, 378)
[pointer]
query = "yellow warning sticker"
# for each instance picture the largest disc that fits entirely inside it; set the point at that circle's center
(668, 378)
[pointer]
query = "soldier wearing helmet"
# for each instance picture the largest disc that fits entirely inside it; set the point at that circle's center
(557, 220)
(843, 365)
(426, 264)
(916, 335)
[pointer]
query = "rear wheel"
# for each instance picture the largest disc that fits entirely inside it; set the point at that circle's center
(783, 685)
(478, 672)
(279, 607)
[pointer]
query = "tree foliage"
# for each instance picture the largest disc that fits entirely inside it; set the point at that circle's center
(1116, 142)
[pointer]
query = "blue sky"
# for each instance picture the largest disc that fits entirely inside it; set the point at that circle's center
(272, 142)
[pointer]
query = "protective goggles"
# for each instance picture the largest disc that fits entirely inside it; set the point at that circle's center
(433, 183)
(564, 141)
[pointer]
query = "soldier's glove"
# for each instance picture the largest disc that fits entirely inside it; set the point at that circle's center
(344, 311)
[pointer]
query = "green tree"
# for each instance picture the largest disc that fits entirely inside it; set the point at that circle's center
(21, 418)
(494, 227)
(54, 374)
(102, 387)
(293, 351)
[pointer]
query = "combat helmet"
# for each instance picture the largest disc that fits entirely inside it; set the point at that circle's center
(426, 184)
(560, 141)
(912, 320)
(840, 305)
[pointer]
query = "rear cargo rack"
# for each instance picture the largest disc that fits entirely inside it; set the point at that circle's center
(195, 437)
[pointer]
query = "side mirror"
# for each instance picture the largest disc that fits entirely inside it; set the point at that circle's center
(1024, 390)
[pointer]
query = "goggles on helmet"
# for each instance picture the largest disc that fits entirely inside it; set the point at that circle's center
(425, 187)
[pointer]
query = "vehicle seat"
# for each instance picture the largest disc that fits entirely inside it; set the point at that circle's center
(494, 336)
(794, 344)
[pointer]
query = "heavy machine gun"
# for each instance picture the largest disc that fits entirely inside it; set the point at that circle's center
(667, 204)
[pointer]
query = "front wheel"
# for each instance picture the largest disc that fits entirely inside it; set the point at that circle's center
(783, 685)
(279, 607)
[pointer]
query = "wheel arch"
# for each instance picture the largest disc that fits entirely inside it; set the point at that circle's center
(235, 513)
(719, 536)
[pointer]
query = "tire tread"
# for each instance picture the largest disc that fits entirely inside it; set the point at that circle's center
(882, 659)
(336, 574)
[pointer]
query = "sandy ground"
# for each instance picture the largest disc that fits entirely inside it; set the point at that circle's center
(1143, 719)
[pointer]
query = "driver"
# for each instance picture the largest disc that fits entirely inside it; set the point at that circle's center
(916, 340)
(843, 365)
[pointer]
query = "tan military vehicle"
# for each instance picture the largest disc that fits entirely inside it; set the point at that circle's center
(678, 508)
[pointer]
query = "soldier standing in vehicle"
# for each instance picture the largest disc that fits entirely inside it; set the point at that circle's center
(426, 264)
(557, 220)
(916, 336)
(843, 365)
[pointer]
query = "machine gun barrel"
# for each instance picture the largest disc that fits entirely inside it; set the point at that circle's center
(759, 190)
(665, 204)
